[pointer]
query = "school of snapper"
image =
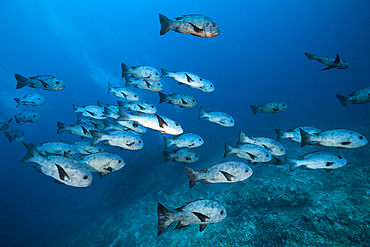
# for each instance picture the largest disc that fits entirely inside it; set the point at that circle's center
(124, 124)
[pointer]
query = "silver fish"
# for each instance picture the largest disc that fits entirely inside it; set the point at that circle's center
(14, 135)
(31, 99)
(27, 117)
(270, 107)
(122, 139)
(91, 111)
(220, 118)
(208, 86)
(330, 62)
(197, 25)
(274, 147)
(76, 129)
(340, 138)
(225, 172)
(103, 163)
(154, 121)
(142, 72)
(144, 84)
(318, 160)
(123, 92)
(180, 99)
(295, 134)
(46, 82)
(4, 124)
(64, 170)
(199, 212)
(139, 106)
(186, 78)
(83, 147)
(57, 148)
(251, 152)
(189, 140)
(181, 155)
(359, 97)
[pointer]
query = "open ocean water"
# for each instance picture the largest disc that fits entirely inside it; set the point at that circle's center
(257, 58)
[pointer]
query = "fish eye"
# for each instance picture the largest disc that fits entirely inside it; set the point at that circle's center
(69, 151)
(156, 73)
(196, 155)
(211, 85)
(158, 84)
(177, 124)
(57, 82)
(139, 141)
(246, 170)
(120, 161)
(200, 140)
(152, 106)
(231, 121)
(340, 157)
(214, 25)
(193, 100)
(267, 155)
(34, 115)
(222, 212)
(361, 137)
(85, 177)
(281, 149)
(200, 79)
(135, 96)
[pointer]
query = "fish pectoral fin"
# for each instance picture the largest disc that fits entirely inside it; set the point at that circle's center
(327, 68)
(346, 143)
(180, 225)
(130, 144)
(196, 29)
(228, 176)
(161, 122)
(201, 217)
(328, 170)
(147, 83)
(337, 60)
(187, 158)
(201, 227)
(184, 102)
(188, 78)
(329, 163)
(91, 113)
(86, 132)
(109, 169)
(266, 147)
(141, 107)
(102, 174)
(124, 95)
(44, 84)
(62, 173)
(252, 156)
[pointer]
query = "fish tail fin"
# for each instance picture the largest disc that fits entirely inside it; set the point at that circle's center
(31, 154)
(61, 127)
(110, 87)
(107, 125)
(17, 118)
(281, 134)
(310, 56)
(166, 24)
(97, 137)
(164, 219)
(165, 73)
(202, 113)
(167, 156)
(162, 97)
(228, 150)
(255, 109)
(167, 141)
(121, 104)
(109, 113)
(343, 99)
(21, 81)
(306, 137)
(293, 164)
(193, 176)
(76, 109)
(242, 137)
(9, 136)
(124, 115)
(129, 81)
(18, 100)
(125, 70)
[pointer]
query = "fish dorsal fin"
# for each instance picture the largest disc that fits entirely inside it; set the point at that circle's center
(201, 227)
(337, 59)
(100, 104)
(188, 78)
(228, 176)
(180, 225)
(161, 122)
(61, 172)
(33, 77)
(196, 29)
(180, 208)
(201, 217)
(62, 141)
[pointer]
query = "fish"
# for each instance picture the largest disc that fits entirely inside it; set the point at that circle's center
(330, 62)
(187, 78)
(340, 138)
(14, 135)
(184, 155)
(126, 126)
(180, 99)
(83, 147)
(122, 139)
(225, 172)
(195, 24)
(220, 118)
(188, 140)
(139, 106)
(208, 86)
(4, 124)
(82, 130)
(123, 92)
(274, 147)
(45, 82)
(318, 160)
(97, 123)
(153, 121)
(295, 134)
(27, 117)
(359, 97)
(57, 148)
(200, 212)
(251, 152)
(270, 107)
(141, 72)
(64, 170)
(144, 84)
(103, 163)
(91, 111)
(31, 99)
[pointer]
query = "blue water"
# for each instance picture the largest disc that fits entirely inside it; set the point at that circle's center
(257, 58)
